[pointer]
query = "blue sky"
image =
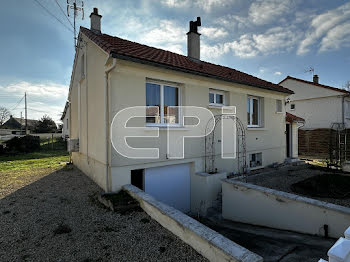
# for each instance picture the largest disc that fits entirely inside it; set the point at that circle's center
(269, 39)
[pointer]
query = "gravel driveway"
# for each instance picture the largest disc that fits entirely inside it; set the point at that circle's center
(57, 219)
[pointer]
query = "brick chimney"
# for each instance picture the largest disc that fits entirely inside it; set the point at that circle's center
(193, 40)
(95, 21)
(316, 79)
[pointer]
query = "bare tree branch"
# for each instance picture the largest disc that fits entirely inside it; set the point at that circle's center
(4, 115)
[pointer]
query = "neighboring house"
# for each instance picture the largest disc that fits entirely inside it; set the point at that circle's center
(19, 124)
(318, 104)
(110, 74)
(321, 106)
(65, 121)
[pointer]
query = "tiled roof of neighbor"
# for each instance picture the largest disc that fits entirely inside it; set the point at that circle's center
(124, 49)
(315, 84)
(293, 118)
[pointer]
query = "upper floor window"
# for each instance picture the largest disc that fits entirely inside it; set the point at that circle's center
(253, 111)
(164, 97)
(216, 97)
(278, 105)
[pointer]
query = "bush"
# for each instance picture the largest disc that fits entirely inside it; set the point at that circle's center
(24, 144)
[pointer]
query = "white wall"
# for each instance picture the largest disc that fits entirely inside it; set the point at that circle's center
(320, 107)
(204, 191)
(204, 240)
(247, 203)
(66, 124)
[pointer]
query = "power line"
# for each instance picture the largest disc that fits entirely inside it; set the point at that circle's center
(53, 15)
(64, 13)
(32, 109)
(17, 104)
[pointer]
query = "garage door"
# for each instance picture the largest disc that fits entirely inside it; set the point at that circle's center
(170, 185)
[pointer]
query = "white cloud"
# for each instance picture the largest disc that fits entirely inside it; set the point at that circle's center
(274, 40)
(324, 24)
(168, 35)
(336, 37)
(206, 5)
(265, 11)
(213, 32)
(278, 73)
(42, 99)
(50, 90)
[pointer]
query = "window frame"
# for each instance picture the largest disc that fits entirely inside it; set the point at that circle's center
(279, 101)
(162, 84)
(251, 111)
(256, 156)
(217, 92)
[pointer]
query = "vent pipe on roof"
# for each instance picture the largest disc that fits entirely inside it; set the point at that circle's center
(193, 40)
(316, 79)
(95, 21)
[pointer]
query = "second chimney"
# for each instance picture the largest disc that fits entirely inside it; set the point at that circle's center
(95, 21)
(315, 79)
(193, 40)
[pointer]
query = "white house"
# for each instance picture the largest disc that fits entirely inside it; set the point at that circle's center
(322, 107)
(65, 121)
(111, 74)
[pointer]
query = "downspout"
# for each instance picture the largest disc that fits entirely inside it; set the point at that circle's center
(106, 118)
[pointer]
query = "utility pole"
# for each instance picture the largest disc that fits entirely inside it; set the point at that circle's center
(21, 123)
(72, 4)
(25, 111)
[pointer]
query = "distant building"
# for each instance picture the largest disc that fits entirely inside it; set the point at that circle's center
(19, 123)
(65, 121)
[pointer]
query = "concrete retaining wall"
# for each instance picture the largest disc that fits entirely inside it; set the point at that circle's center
(207, 242)
(247, 203)
(204, 191)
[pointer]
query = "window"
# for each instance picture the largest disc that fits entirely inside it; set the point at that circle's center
(67, 123)
(292, 106)
(216, 97)
(278, 106)
(253, 111)
(255, 160)
(163, 97)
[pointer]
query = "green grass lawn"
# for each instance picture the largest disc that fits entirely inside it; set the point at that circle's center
(19, 170)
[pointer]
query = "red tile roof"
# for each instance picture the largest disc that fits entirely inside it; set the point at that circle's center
(293, 118)
(315, 84)
(124, 49)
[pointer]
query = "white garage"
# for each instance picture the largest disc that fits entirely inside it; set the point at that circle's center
(170, 185)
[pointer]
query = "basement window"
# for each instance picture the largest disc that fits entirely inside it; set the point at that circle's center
(255, 160)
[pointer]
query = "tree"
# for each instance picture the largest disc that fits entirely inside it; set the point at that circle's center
(4, 115)
(46, 125)
(347, 85)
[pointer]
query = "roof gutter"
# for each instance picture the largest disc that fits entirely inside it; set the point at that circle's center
(146, 62)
